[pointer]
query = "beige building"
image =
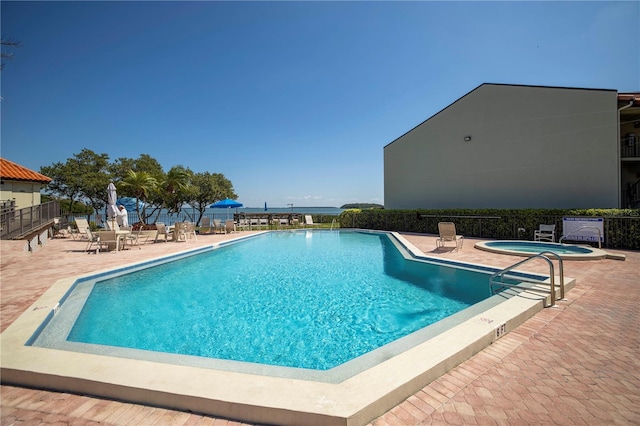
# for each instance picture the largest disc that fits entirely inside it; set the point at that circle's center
(511, 146)
(19, 186)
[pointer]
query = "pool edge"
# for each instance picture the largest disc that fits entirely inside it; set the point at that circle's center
(355, 401)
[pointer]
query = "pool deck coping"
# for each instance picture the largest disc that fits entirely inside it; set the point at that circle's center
(354, 401)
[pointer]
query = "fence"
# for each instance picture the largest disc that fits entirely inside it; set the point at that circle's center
(20, 222)
(170, 219)
(620, 232)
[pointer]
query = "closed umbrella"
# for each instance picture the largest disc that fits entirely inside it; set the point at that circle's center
(227, 203)
(112, 210)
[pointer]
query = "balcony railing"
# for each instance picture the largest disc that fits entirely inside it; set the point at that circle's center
(630, 148)
(15, 223)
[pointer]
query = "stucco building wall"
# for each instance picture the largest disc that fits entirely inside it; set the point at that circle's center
(26, 194)
(529, 147)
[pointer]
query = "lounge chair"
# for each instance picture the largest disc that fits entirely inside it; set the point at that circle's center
(229, 226)
(162, 231)
(545, 233)
(82, 225)
(447, 232)
(308, 220)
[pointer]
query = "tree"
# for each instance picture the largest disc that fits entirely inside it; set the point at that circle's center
(174, 188)
(209, 188)
(93, 170)
(144, 163)
(84, 177)
(5, 54)
(140, 185)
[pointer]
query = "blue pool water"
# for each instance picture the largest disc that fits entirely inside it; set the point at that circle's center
(538, 247)
(299, 299)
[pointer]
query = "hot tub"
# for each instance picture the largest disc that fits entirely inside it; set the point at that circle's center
(531, 248)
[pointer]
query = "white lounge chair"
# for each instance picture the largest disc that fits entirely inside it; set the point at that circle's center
(82, 225)
(308, 220)
(447, 232)
(545, 233)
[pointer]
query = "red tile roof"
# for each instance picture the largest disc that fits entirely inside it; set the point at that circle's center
(13, 171)
(625, 98)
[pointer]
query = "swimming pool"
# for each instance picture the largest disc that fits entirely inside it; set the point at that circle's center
(531, 248)
(353, 393)
(304, 299)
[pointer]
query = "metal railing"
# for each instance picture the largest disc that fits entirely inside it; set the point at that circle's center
(18, 223)
(576, 233)
(620, 232)
(497, 279)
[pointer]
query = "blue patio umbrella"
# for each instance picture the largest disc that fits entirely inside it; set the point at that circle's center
(265, 206)
(129, 203)
(227, 203)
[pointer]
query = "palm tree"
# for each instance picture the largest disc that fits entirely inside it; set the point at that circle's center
(175, 188)
(140, 185)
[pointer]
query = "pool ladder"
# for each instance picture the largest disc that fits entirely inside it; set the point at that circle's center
(497, 279)
(333, 222)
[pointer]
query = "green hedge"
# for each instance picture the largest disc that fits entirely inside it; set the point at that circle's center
(621, 226)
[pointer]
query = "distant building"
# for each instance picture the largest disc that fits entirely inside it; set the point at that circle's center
(20, 186)
(512, 146)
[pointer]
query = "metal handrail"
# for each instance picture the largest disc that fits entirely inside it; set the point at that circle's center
(575, 231)
(542, 255)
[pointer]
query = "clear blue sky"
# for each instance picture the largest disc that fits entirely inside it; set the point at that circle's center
(291, 101)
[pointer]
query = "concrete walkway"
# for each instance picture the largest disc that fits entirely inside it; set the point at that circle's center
(576, 363)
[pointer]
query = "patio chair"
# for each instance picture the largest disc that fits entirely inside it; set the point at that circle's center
(107, 240)
(218, 226)
(244, 224)
(205, 225)
(162, 231)
(190, 230)
(180, 231)
(135, 238)
(447, 232)
(229, 226)
(92, 239)
(545, 233)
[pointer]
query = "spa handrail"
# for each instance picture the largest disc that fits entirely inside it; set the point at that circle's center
(542, 255)
(575, 233)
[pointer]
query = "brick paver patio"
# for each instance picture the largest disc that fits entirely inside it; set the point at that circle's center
(576, 363)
